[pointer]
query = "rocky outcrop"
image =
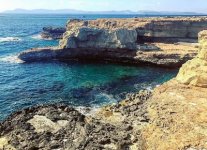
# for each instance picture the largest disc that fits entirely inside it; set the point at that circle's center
(127, 33)
(95, 38)
(155, 28)
(177, 110)
(177, 118)
(52, 33)
(163, 55)
(39, 54)
(158, 41)
(194, 72)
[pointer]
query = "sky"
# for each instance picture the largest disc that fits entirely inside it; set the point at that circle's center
(108, 5)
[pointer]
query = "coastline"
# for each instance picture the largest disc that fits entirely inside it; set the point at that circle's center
(169, 117)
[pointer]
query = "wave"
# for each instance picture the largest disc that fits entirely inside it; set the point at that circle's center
(11, 59)
(10, 39)
(37, 37)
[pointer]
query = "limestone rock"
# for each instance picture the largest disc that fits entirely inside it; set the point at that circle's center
(194, 72)
(177, 114)
(160, 54)
(43, 124)
(46, 53)
(129, 41)
(85, 37)
(154, 28)
(203, 45)
(4, 144)
(178, 109)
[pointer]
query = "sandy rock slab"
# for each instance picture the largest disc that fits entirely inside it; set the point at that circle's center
(43, 124)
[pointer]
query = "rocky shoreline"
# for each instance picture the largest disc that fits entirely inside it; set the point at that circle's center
(62, 127)
(166, 42)
(173, 117)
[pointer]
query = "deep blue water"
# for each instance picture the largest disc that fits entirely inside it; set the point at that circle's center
(79, 84)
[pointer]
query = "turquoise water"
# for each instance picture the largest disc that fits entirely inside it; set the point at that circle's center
(74, 83)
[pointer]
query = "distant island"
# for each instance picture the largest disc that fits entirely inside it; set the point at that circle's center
(73, 11)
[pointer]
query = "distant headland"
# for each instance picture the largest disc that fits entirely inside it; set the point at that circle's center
(74, 11)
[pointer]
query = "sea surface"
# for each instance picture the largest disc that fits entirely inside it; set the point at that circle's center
(74, 83)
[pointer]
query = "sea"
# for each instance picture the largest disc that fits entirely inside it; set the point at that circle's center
(72, 83)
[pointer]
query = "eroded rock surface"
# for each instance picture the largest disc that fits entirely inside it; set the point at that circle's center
(95, 38)
(154, 29)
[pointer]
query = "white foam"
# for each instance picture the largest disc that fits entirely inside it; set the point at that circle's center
(88, 111)
(11, 59)
(10, 39)
(37, 37)
(145, 86)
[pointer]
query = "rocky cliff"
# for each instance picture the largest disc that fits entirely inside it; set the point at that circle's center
(145, 29)
(194, 72)
(167, 42)
(127, 33)
(178, 109)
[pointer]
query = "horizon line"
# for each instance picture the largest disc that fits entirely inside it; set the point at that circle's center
(88, 11)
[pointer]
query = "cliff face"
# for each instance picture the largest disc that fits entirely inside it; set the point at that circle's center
(178, 109)
(194, 72)
(134, 30)
(86, 37)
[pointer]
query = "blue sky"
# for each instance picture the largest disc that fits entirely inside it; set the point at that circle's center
(104, 5)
